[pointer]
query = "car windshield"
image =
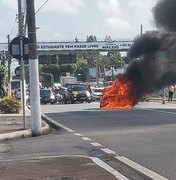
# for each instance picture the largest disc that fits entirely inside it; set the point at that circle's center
(44, 92)
(98, 90)
(78, 88)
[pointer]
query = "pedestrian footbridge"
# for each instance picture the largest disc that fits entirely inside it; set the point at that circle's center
(79, 46)
(65, 52)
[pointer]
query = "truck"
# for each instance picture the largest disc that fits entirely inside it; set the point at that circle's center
(64, 80)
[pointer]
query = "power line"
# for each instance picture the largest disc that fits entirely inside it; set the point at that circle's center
(41, 6)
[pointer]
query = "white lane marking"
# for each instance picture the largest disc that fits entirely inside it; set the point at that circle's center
(58, 124)
(108, 168)
(108, 151)
(121, 158)
(86, 139)
(140, 168)
(96, 144)
(78, 134)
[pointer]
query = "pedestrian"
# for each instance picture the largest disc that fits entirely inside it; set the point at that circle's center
(171, 92)
(76, 39)
(89, 88)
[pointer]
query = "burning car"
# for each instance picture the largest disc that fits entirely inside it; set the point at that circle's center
(119, 95)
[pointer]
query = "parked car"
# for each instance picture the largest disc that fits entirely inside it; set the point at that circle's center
(97, 93)
(47, 96)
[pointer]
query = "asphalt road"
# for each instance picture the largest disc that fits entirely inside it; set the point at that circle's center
(145, 134)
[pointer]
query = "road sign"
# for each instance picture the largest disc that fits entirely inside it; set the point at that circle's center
(92, 73)
(18, 47)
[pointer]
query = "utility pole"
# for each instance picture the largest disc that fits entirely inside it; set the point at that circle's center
(20, 19)
(141, 29)
(33, 70)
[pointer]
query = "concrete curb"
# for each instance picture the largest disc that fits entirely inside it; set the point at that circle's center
(23, 133)
(17, 134)
(51, 122)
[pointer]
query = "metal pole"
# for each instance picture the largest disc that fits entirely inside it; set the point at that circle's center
(23, 84)
(23, 89)
(141, 30)
(9, 73)
(33, 71)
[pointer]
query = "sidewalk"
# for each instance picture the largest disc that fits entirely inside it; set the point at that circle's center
(60, 167)
(12, 126)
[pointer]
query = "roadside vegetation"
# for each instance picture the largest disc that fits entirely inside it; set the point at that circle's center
(9, 105)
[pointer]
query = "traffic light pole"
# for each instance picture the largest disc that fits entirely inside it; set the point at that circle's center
(9, 73)
(33, 70)
(23, 88)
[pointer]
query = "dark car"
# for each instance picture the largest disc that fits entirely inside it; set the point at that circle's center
(47, 96)
(80, 93)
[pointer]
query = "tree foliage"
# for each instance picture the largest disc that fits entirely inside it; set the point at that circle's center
(115, 60)
(81, 71)
(85, 60)
(2, 78)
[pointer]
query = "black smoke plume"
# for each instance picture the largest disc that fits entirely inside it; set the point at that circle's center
(154, 53)
(165, 15)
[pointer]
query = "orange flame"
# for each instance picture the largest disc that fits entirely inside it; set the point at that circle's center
(118, 96)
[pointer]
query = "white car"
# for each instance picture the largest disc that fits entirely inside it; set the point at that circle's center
(97, 92)
(18, 94)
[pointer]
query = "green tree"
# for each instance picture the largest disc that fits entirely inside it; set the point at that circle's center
(53, 69)
(115, 60)
(2, 78)
(56, 71)
(93, 58)
(82, 70)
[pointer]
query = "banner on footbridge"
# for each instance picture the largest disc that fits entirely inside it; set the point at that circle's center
(81, 46)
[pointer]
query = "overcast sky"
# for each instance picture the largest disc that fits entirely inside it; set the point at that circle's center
(61, 20)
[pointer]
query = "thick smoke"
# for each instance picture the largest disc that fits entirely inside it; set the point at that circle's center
(148, 43)
(154, 53)
(164, 15)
